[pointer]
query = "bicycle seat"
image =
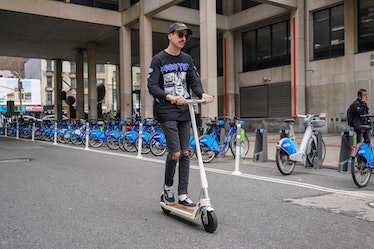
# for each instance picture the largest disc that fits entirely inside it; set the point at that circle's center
(364, 127)
(289, 120)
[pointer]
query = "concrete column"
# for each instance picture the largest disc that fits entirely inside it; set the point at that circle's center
(79, 60)
(125, 73)
(229, 85)
(58, 88)
(208, 54)
(145, 42)
(349, 51)
(298, 59)
(92, 85)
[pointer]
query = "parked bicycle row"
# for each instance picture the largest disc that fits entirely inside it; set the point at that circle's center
(219, 136)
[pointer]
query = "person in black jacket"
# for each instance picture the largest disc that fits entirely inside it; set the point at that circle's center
(360, 108)
(171, 76)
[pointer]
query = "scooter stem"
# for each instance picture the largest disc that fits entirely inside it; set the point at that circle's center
(203, 179)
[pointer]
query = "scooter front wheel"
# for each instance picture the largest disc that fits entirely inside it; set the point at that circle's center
(284, 164)
(209, 220)
(360, 173)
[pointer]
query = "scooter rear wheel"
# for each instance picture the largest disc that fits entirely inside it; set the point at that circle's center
(284, 164)
(360, 173)
(209, 221)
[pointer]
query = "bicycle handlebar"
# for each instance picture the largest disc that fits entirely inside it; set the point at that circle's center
(367, 115)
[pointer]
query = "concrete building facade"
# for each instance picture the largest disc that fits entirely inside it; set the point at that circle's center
(263, 60)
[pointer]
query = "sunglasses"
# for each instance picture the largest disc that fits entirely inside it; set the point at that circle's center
(181, 34)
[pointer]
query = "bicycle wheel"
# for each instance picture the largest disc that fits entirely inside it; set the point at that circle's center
(284, 164)
(112, 143)
(128, 144)
(156, 146)
(207, 154)
(95, 142)
(145, 146)
(244, 145)
(60, 137)
(360, 173)
(76, 139)
(312, 151)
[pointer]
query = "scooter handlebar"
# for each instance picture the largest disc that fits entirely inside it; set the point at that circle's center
(193, 101)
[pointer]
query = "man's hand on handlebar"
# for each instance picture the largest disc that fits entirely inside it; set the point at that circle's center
(208, 98)
(176, 100)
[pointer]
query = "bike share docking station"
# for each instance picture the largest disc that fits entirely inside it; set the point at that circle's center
(317, 161)
(260, 153)
(347, 143)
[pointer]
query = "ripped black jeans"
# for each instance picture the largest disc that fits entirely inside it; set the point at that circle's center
(177, 134)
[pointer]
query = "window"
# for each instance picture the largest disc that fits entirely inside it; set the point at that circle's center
(329, 33)
(73, 84)
(49, 66)
(100, 68)
(72, 67)
(49, 81)
(85, 83)
(49, 98)
(266, 47)
(104, 4)
(246, 4)
(365, 25)
(220, 57)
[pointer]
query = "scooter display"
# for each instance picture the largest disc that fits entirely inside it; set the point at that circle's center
(203, 208)
(287, 151)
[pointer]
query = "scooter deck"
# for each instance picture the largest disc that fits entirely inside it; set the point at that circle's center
(180, 207)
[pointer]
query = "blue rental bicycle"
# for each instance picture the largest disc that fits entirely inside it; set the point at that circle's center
(362, 159)
(210, 145)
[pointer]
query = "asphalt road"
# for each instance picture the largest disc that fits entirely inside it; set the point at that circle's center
(54, 196)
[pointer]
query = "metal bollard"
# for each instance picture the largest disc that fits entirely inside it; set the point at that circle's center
(237, 152)
(317, 162)
(87, 135)
(55, 135)
(6, 129)
(17, 130)
(261, 146)
(33, 132)
(140, 136)
(345, 151)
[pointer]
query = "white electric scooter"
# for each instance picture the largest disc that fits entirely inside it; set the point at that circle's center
(203, 208)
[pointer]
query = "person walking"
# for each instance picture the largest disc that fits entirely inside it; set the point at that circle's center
(171, 77)
(359, 107)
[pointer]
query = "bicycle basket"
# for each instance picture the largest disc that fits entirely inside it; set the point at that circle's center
(221, 122)
(318, 123)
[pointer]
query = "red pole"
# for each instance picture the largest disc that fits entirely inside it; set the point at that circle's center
(294, 66)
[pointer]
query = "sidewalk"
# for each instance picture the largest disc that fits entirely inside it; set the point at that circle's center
(332, 142)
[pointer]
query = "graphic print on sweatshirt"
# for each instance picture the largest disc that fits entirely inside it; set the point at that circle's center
(175, 79)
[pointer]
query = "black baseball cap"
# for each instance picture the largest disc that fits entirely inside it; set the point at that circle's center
(179, 26)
